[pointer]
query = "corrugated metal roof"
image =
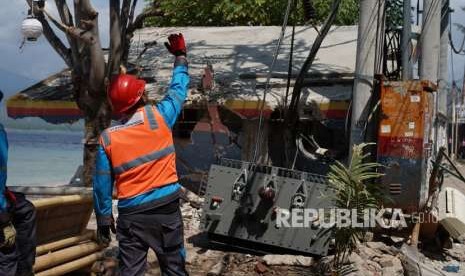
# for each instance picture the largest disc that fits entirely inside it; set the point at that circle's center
(240, 58)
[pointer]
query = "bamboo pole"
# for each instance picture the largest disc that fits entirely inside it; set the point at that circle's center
(60, 200)
(65, 255)
(57, 245)
(56, 191)
(71, 266)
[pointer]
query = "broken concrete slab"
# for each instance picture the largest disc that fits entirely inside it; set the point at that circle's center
(413, 264)
(260, 268)
(367, 253)
(291, 260)
(361, 266)
(382, 247)
(457, 252)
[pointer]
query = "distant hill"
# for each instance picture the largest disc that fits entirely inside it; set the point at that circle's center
(11, 83)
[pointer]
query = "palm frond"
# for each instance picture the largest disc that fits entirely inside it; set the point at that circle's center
(353, 188)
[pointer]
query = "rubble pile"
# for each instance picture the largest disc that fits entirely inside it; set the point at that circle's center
(373, 258)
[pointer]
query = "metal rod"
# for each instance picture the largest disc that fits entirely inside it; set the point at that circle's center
(268, 79)
(406, 42)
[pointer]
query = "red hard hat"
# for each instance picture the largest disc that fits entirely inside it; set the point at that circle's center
(124, 92)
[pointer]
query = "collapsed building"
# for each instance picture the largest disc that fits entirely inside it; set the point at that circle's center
(228, 67)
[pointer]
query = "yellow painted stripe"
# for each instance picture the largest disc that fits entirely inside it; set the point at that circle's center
(17, 103)
(339, 105)
(244, 104)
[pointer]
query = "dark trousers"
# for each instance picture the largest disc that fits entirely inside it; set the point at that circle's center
(19, 259)
(160, 229)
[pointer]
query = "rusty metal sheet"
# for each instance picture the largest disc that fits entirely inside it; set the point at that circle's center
(403, 139)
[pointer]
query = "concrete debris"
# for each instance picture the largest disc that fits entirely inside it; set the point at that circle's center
(367, 253)
(260, 268)
(397, 240)
(373, 258)
(194, 200)
(380, 246)
(461, 239)
(394, 269)
(457, 252)
(361, 266)
(290, 260)
(414, 264)
(216, 270)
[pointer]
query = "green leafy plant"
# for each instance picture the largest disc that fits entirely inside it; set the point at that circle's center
(394, 14)
(353, 187)
(244, 12)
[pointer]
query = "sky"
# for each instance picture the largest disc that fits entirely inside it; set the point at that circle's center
(36, 61)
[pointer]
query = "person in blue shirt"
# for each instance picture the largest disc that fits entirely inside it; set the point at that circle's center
(17, 223)
(137, 156)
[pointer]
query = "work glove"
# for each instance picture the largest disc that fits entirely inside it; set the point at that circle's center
(103, 233)
(7, 235)
(176, 45)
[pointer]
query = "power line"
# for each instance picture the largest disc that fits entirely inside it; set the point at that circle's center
(451, 42)
(268, 79)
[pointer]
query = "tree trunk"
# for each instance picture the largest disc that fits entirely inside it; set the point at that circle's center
(85, 57)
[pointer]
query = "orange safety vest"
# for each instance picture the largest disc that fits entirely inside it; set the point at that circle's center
(141, 153)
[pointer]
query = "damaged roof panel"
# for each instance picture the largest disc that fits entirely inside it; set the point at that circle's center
(232, 52)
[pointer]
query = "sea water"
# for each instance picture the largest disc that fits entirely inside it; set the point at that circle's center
(39, 157)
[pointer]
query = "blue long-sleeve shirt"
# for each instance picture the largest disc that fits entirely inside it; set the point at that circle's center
(3, 162)
(169, 107)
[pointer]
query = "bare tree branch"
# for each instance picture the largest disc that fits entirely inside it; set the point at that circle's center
(52, 38)
(62, 27)
(137, 24)
(75, 32)
(124, 16)
(139, 21)
(56, 42)
(77, 13)
(131, 13)
(67, 19)
(86, 8)
(64, 12)
(116, 49)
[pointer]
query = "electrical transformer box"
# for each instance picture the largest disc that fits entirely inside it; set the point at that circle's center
(404, 141)
(243, 202)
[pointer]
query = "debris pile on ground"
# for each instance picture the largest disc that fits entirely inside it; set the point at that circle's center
(393, 257)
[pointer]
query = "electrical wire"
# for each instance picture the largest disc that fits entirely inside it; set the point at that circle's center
(289, 72)
(268, 79)
(456, 50)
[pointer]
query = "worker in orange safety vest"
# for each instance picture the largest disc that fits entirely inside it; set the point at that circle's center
(138, 157)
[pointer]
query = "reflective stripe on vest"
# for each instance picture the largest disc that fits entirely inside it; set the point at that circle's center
(143, 159)
(141, 152)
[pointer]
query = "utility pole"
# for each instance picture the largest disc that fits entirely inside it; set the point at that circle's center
(407, 71)
(443, 77)
(369, 43)
(430, 51)
(454, 121)
(429, 61)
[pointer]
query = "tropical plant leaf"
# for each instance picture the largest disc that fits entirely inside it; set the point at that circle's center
(353, 188)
